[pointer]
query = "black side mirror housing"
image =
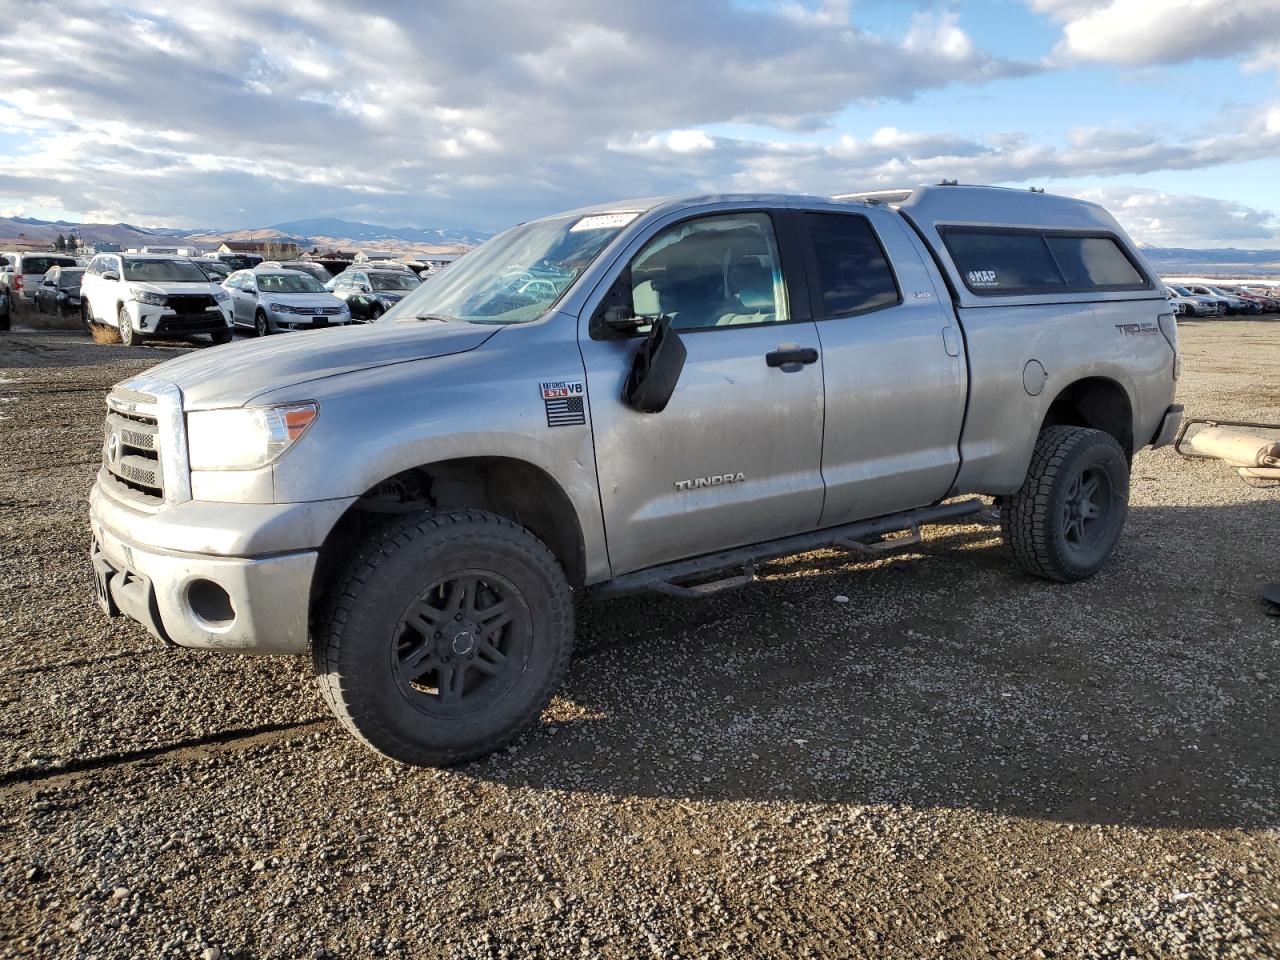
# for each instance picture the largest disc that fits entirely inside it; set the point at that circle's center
(615, 316)
(110, 275)
(655, 369)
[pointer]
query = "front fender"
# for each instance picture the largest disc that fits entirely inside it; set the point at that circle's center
(486, 402)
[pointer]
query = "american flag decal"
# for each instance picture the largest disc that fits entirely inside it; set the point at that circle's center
(564, 400)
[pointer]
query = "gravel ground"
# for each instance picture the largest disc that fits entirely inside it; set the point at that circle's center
(929, 755)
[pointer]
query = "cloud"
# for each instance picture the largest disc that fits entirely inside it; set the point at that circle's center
(1139, 32)
(181, 113)
(1173, 219)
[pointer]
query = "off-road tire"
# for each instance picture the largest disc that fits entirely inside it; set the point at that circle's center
(1037, 520)
(261, 325)
(128, 336)
(355, 640)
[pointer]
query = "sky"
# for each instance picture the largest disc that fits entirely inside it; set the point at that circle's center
(458, 114)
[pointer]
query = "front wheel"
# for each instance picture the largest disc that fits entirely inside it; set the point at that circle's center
(261, 325)
(445, 637)
(128, 336)
(221, 337)
(1065, 520)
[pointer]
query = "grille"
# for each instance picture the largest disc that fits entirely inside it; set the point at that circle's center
(185, 304)
(131, 453)
(315, 311)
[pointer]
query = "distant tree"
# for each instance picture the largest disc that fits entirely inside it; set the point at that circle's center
(60, 243)
(72, 243)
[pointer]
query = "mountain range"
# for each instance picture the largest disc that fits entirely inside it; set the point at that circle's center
(322, 232)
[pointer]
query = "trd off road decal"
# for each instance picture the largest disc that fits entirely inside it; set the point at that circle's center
(982, 278)
(565, 402)
(1138, 329)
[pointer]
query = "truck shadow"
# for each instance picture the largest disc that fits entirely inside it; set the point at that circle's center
(1145, 696)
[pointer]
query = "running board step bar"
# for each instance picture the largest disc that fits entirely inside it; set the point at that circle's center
(666, 579)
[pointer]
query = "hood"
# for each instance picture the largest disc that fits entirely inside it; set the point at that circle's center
(195, 286)
(232, 375)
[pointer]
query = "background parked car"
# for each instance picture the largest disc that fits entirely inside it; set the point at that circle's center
(302, 266)
(146, 295)
(370, 293)
(27, 270)
(1237, 305)
(239, 261)
(1217, 304)
(1190, 306)
(1267, 300)
(59, 292)
(272, 300)
(216, 269)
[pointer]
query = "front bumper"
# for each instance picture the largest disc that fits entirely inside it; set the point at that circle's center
(1168, 426)
(257, 603)
(158, 321)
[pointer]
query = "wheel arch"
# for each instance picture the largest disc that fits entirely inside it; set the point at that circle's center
(1097, 402)
(516, 489)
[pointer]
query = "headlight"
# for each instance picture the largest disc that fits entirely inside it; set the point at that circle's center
(146, 296)
(246, 438)
(221, 295)
(278, 308)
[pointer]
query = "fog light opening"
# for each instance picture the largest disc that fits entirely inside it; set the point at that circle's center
(211, 604)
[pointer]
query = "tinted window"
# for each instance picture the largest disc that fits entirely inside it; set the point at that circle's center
(1028, 261)
(1093, 262)
(992, 261)
(406, 281)
(715, 271)
(852, 270)
(69, 279)
(41, 265)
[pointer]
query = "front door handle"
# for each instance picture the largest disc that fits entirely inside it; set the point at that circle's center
(791, 357)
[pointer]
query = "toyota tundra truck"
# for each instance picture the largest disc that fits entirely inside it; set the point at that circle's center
(645, 396)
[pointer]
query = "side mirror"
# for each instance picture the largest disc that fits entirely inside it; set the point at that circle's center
(365, 288)
(110, 275)
(47, 283)
(655, 369)
(615, 315)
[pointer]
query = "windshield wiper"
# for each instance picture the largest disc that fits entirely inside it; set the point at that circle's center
(435, 316)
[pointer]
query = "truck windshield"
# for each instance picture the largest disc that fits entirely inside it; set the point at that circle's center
(515, 277)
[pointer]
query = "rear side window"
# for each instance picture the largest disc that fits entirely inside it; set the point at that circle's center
(853, 272)
(1093, 262)
(42, 265)
(996, 262)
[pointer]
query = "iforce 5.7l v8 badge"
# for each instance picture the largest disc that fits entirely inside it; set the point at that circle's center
(565, 401)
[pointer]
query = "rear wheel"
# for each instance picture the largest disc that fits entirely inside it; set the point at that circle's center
(128, 336)
(1065, 520)
(445, 637)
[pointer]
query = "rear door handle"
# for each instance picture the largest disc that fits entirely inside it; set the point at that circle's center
(791, 356)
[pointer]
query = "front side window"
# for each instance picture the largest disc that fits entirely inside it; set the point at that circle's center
(716, 271)
(853, 271)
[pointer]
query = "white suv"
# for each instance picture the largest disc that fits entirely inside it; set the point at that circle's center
(150, 295)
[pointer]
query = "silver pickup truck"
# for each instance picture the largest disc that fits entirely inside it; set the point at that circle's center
(650, 395)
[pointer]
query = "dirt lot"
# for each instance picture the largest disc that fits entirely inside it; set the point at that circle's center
(955, 761)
